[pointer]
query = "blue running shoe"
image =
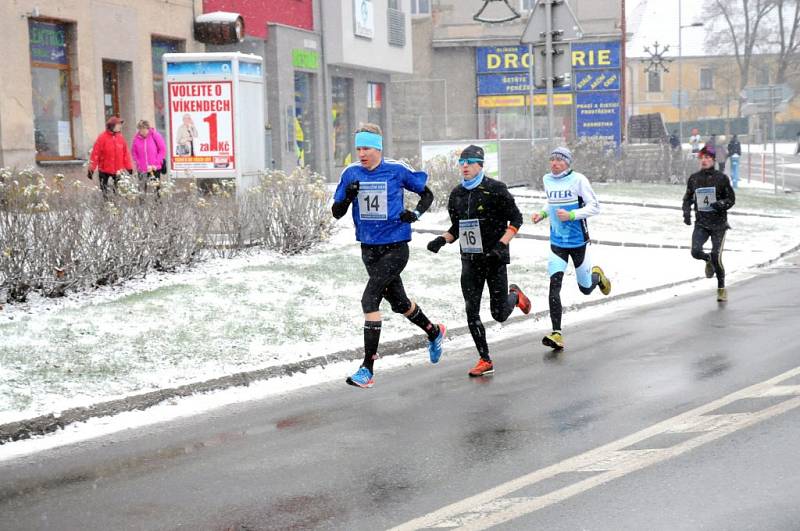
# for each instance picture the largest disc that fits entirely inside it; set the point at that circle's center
(435, 346)
(362, 378)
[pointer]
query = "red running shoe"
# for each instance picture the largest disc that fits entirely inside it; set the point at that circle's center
(482, 368)
(523, 302)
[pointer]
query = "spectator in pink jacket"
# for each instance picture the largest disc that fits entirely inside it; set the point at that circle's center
(148, 151)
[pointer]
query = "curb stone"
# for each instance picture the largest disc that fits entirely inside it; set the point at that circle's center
(41, 425)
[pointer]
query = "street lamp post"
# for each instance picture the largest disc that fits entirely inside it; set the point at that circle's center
(680, 69)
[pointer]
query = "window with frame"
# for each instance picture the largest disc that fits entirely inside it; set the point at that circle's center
(420, 7)
(342, 115)
(654, 81)
(158, 47)
(375, 108)
(706, 79)
(51, 90)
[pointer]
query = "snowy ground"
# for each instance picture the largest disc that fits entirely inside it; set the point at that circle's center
(228, 316)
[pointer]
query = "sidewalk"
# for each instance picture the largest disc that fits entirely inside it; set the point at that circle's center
(229, 322)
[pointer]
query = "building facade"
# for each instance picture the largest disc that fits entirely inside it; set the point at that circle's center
(71, 64)
(711, 96)
(327, 69)
(471, 80)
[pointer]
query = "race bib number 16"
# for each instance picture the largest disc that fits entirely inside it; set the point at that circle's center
(469, 231)
(704, 198)
(373, 201)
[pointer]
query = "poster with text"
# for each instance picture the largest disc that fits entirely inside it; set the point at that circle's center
(201, 125)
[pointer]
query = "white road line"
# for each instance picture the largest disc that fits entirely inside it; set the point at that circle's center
(494, 506)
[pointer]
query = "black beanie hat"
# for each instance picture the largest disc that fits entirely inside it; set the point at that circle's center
(473, 152)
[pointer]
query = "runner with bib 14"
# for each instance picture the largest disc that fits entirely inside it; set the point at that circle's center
(375, 187)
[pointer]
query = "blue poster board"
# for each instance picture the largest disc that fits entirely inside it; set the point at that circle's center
(594, 80)
(595, 55)
(48, 42)
(500, 59)
(598, 114)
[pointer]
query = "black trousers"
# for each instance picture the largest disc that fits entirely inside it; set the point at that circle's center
(384, 264)
(700, 236)
(474, 275)
(104, 177)
(578, 255)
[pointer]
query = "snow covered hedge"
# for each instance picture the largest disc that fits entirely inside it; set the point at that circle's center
(57, 236)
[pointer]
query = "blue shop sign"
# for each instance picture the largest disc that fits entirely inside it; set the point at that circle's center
(514, 83)
(594, 80)
(595, 55)
(48, 42)
(598, 114)
(496, 59)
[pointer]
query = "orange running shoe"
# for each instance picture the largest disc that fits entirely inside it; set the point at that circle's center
(482, 368)
(523, 302)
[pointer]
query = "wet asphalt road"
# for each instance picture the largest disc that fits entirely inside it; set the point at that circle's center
(336, 457)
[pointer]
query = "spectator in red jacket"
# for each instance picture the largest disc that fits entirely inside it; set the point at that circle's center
(110, 155)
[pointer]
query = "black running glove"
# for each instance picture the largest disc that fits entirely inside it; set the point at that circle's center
(408, 216)
(687, 220)
(351, 192)
(498, 251)
(437, 243)
(716, 205)
(90, 174)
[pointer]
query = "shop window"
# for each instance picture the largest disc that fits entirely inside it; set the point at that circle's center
(304, 123)
(342, 115)
(420, 7)
(706, 79)
(158, 47)
(654, 81)
(375, 101)
(51, 89)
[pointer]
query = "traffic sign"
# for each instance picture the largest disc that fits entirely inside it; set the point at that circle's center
(749, 109)
(562, 65)
(564, 22)
(763, 94)
(680, 99)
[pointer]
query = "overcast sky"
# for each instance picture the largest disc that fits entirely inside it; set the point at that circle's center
(657, 20)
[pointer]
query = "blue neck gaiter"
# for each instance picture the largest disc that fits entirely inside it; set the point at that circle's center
(472, 183)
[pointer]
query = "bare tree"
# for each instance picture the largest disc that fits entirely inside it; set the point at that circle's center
(740, 33)
(788, 39)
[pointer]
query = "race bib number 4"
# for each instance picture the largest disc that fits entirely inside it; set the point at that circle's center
(469, 236)
(704, 198)
(373, 201)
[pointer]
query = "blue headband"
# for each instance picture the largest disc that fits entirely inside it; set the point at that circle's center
(370, 140)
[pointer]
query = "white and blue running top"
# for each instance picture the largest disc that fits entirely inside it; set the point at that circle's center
(573, 193)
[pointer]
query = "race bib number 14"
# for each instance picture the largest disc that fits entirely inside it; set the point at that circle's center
(373, 201)
(704, 198)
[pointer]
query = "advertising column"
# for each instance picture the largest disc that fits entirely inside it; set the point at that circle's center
(596, 81)
(215, 115)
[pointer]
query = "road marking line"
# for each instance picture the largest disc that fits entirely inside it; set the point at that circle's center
(494, 507)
